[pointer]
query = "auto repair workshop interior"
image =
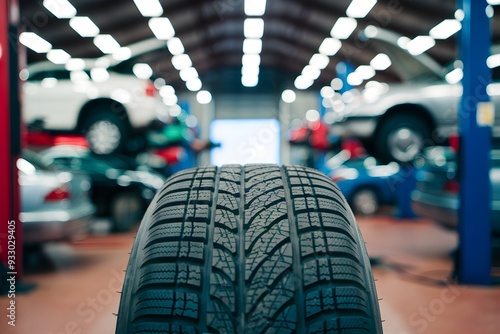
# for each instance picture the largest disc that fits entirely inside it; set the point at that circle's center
(249, 166)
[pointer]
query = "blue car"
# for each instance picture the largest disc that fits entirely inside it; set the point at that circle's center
(365, 183)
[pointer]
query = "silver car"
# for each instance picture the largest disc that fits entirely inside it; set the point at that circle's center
(54, 205)
(397, 121)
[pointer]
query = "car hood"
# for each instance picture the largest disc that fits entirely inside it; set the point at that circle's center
(408, 66)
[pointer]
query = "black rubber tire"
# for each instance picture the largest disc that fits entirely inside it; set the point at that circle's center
(392, 124)
(126, 209)
(113, 119)
(364, 191)
(254, 249)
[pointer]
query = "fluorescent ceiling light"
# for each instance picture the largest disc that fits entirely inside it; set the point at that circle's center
(161, 28)
(420, 44)
(252, 46)
(58, 56)
(106, 43)
(175, 46)
(250, 60)
(194, 85)
(34, 42)
(204, 97)
(337, 84)
(99, 74)
(360, 8)
(188, 74)
(370, 31)
(445, 29)
(249, 80)
(253, 28)
(288, 96)
(327, 92)
(312, 115)
(149, 8)
(330, 46)
(366, 72)
(142, 71)
(61, 9)
(454, 76)
(175, 110)
(493, 2)
(493, 60)
(255, 7)
(459, 14)
(354, 79)
(403, 42)
(303, 82)
(311, 72)
(181, 61)
(319, 60)
(122, 53)
(84, 26)
(170, 100)
(344, 27)
(381, 62)
(75, 64)
(250, 70)
(167, 91)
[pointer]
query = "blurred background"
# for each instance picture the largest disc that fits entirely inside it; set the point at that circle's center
(116, 96)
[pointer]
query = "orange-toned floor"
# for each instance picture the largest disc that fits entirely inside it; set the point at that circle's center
(80, 294)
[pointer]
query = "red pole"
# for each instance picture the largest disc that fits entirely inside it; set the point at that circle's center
(10, 226)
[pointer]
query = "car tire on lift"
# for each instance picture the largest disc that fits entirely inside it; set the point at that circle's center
(105, 132)
(401, 138)
(254, 249)
(365, 201)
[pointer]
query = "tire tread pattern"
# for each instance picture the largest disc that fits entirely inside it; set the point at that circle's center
(254, 249)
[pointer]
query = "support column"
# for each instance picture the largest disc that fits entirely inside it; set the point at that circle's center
(9, 135)
(475, 120)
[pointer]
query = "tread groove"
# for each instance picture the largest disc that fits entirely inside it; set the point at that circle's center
(208, 251)
(296, 256)
(240, 265)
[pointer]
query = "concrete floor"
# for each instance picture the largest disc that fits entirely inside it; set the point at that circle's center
(79, 295)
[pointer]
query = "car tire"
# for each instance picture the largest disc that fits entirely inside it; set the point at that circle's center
(401, 138)
(365, 201)
(126, 210)
(105, 132)
(254, 249)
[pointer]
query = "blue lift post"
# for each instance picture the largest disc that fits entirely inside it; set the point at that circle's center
(474, 265)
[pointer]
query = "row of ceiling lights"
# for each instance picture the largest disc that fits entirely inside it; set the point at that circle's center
(342, 29)
(253, 29)
(83, 25)
(252, 46)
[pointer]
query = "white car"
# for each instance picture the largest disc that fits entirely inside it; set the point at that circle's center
(396, 121)
(105, 105)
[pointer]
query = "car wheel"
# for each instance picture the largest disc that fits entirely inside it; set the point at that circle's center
(105, 132)
(365, 201)
(254, 249)
(126, 209)
(401, 138)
